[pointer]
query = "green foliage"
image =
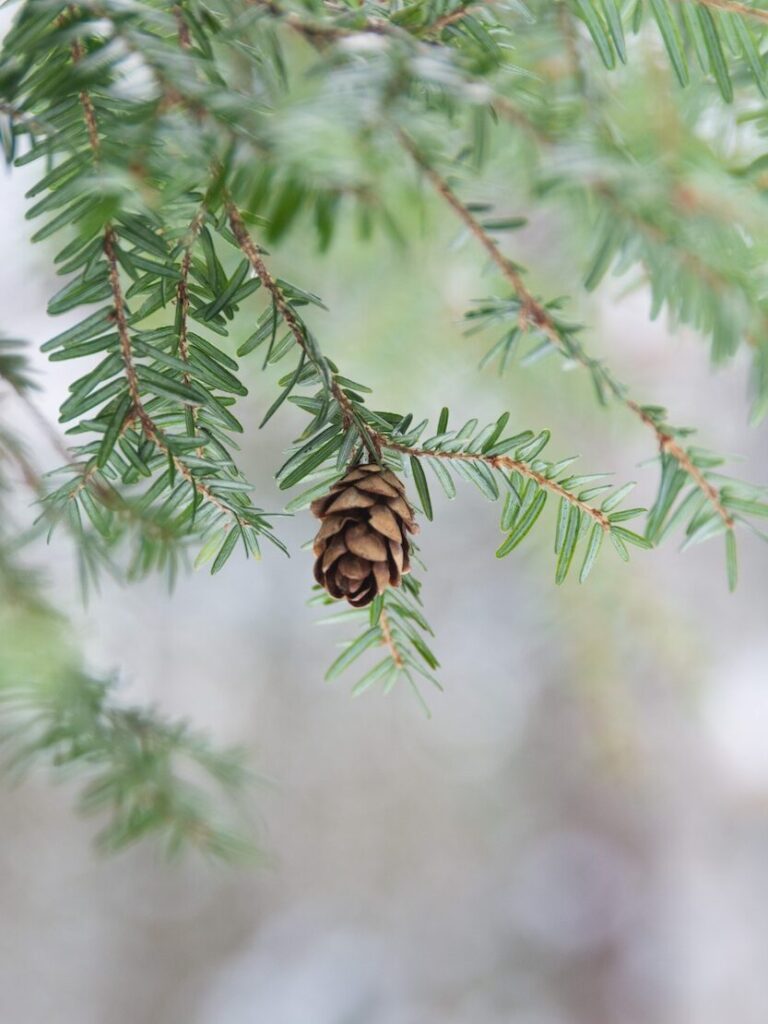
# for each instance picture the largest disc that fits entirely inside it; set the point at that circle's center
(721, 40)
(142, 775)
(14, 366)
(173, 143)
(395, 621)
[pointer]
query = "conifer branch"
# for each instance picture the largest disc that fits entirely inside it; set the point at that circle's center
(150, 428)
(381, 440)
(533, 313)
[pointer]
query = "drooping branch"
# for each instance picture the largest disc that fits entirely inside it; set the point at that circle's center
(533, 313)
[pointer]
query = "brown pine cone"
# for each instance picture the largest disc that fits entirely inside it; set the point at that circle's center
(362, 545)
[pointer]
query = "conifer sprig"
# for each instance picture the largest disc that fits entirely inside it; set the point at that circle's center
(530, 317)
(142, 774)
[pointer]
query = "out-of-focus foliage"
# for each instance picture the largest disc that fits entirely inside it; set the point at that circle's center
(143, 775)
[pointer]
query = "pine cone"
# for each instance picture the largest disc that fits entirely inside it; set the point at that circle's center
(362, 547)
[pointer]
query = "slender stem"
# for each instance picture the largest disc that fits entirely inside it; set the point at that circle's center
(453, 16)
(531, 311)
(389, 640)
(501, 462)
(252, 254)
(151, 430)
(182, 301)
(668, 444)
(182, 28)
(733, 7)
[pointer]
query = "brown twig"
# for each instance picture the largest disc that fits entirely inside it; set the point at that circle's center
(500, 462)
(453, 16)
(251, 252)
(318, 32)
(388, 640)
(151, 430)
(182, 301)
(668, 444)
(182, 28)
(733, 7)
(531, 312)
(87, 104)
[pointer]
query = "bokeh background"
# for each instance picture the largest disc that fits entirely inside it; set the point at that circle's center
(578, 835)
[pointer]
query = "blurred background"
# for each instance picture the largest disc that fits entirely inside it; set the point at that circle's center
(579, 835)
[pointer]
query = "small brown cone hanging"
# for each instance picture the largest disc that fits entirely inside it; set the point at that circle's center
(362, 545)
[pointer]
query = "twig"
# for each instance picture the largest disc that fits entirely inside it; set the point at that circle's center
(252, 254)
(733, 7)
(318, 32)
(185, 40)
(182, 301)
(389, 640)
(152, 432)
(668, 444)
(87, 104)
(501, 462)
(453, 16)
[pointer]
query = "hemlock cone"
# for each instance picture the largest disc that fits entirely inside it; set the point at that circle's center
(362, 546)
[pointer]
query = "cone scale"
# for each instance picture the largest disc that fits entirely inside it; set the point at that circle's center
(362, 546)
